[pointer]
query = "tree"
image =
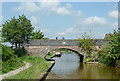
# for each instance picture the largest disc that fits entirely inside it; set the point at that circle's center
(17, 30)
(110, 54)
(37, 35)
(86, 44)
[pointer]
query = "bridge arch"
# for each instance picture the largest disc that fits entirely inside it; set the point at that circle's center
(39, 48)
(80, 55)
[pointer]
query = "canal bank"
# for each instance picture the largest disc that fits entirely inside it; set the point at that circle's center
(39, 67)
(43, 75)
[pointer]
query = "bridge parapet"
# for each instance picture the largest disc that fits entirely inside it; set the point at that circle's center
(52, 42)
(40, 48)
(61, 42)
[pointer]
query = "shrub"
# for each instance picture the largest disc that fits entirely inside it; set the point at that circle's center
(87, 43)
(10, 61)
(7, 53)
(20, 51)
(111, 52)
(11, 64)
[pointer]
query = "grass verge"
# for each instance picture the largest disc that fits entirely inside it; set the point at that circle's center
(39, 66)
(50, 55)
(12, 64)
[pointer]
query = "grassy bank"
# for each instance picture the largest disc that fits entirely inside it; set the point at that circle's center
(50, 55)
(10, 61)
(12, 64)
(38, 67)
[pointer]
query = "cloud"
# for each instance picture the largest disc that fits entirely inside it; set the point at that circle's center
(73, 29)
(48, 5)
(34, 20)
(45, 30)
(78, 13)
(55, 8)
(27, 7)
(94, 20)
(113, 14)
(43, 7)
(96, 27)
(61, 33)
(61, 11)
(68, 5)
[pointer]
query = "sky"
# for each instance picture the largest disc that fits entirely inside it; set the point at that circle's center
(66, 19)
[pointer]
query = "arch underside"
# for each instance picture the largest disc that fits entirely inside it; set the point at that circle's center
(80, 55)
(42, 51)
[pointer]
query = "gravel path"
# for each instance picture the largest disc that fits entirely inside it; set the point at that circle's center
(11, 73)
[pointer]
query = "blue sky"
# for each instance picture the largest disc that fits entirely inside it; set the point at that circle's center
(66, 19)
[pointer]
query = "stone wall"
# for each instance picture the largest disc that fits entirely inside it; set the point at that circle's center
(41, 51)
(40, 48)
(60, 42)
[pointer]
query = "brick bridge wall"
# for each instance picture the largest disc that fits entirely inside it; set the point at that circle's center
(37, 47)
(41, 51)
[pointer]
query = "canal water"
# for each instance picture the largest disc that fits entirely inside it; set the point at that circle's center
(68, 66)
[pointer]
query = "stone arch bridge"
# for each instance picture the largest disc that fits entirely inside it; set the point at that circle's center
(39, 48)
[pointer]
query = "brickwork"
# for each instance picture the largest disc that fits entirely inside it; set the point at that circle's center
(40, 48)
(41, 51)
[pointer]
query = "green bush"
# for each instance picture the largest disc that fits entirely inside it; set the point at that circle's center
(20, 51)
(111, 52)
(10, 61)
(106, 59)
(86, 44)
(7, 53)
(11, 64)
(89, 59)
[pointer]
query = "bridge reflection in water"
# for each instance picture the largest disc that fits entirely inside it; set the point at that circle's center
(69, 67)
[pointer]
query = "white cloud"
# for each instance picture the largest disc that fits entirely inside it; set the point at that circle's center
(45, 30)
(27, 7)
(87, 24)
(113, 14)
(43, 7)
(61, 11)
(48, 5)
(68, 5)
(60, 33)
(73, 30)
(96, 27)
(34, 20)
(56, 8)
(94, 20)
(78, 13)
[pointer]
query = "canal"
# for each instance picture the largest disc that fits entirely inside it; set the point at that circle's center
(68, 66)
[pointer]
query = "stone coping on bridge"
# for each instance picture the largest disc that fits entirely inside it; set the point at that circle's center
(60, 42)
(64, 39)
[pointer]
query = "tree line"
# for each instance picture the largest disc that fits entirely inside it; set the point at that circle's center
(17, 30)
(108, 55)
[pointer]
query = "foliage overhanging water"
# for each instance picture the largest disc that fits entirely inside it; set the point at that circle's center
(68, 67)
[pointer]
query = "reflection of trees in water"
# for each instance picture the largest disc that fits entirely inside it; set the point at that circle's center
(81, 66)
(68, 66)
(94, 71)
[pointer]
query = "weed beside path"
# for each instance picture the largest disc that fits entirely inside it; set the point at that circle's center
(38, 67)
